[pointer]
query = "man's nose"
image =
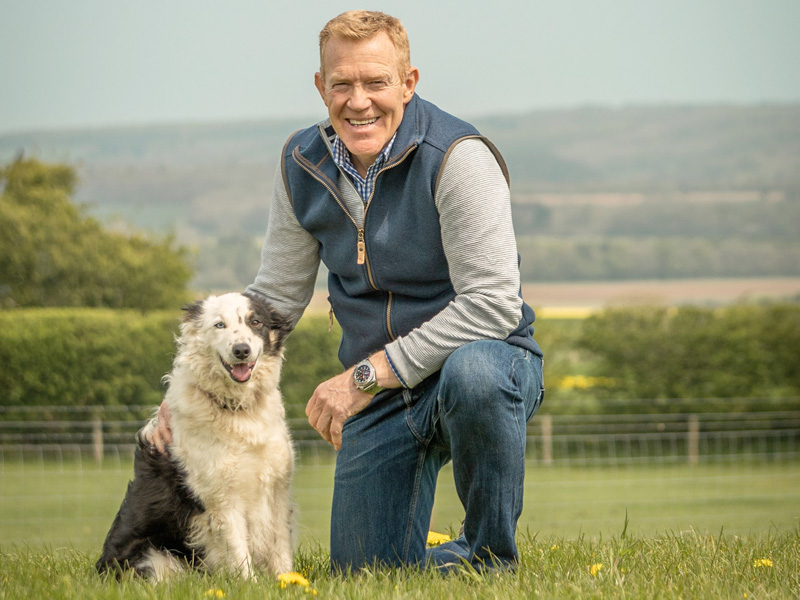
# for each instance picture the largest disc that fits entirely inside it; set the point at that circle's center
(359, 98)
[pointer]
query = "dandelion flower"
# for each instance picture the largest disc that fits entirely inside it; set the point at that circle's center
(293, 578)
(595, 569)
(763, 562)
(215, 593)
(437, 539)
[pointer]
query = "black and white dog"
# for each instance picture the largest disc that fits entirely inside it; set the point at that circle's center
(220, 498)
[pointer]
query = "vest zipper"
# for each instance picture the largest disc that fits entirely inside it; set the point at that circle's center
(362, 241)
(361, 244)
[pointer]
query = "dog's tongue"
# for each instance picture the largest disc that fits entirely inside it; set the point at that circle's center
(240, 371)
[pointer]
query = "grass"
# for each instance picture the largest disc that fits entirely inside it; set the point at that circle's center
(685, 565)
(724, 530)
(72, 504)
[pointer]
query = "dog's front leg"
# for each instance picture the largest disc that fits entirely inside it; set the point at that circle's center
(223, 536)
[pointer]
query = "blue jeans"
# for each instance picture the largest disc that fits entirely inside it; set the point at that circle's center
(473, 412)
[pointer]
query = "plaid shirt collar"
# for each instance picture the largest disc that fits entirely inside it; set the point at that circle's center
(363, 185)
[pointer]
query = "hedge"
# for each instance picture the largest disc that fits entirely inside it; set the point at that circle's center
(86, 356)
(738, 351)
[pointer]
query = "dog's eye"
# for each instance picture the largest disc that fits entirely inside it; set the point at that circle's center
(256, 323)
(219, 325)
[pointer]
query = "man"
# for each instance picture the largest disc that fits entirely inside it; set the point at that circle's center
(409, 209)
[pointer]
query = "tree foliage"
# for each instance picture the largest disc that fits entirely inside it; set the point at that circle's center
(52, 254)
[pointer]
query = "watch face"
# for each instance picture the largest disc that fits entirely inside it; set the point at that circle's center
(362, 373)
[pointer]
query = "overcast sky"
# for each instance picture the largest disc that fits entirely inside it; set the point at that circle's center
(76, 63)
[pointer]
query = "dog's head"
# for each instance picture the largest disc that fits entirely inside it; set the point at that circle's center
(231, 335)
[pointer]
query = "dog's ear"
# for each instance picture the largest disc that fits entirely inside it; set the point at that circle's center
(279, 326)
(193, 312)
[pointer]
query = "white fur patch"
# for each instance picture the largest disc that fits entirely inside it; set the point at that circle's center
(160, 564)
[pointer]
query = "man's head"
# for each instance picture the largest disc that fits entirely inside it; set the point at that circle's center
(365, 80)
(364, 24)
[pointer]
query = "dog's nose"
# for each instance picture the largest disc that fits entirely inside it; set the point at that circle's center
(241, 351)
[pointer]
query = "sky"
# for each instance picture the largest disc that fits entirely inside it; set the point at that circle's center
(67, 64)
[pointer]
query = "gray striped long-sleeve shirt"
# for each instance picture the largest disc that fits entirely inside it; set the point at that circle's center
(474, 206)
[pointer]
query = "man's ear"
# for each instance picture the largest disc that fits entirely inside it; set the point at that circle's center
(410, 83)
(320, 85)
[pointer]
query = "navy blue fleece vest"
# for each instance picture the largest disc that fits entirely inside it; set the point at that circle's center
(390, 276)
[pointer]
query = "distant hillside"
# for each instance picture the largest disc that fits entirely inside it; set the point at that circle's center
(598, 192)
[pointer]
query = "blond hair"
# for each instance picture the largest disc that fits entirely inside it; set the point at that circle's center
(362, 25)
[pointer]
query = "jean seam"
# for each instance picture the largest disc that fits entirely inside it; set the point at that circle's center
(409, 534)
(518, 393)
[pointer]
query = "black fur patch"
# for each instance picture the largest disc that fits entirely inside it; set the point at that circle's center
(273, 321)
(155, 513)
(193, 311)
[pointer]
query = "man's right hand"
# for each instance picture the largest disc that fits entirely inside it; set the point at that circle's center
(161, 434)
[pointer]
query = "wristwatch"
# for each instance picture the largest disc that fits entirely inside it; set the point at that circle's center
(365, 377)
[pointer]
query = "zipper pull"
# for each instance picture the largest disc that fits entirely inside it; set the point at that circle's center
(362, 248)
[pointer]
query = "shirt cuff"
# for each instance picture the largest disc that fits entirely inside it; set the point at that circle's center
(394, 370)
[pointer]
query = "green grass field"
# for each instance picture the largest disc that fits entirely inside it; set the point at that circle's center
(727, 530)
(72, 504)
(674, 565)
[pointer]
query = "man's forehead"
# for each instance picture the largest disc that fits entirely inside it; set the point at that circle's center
(378, 49)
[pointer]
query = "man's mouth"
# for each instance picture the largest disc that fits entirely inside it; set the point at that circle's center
(239, 372)
(362, 122)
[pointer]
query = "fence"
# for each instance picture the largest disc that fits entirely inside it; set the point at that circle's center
(63, 473)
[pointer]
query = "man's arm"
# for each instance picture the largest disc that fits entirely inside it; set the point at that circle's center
(289, 259)
(474, 206)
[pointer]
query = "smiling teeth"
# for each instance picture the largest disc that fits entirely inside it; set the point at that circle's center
(367, 122)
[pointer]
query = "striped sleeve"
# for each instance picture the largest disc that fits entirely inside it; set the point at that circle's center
(289, 259)
(474, 205)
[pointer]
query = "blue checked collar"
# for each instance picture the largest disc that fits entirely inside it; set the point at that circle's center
(364, 185)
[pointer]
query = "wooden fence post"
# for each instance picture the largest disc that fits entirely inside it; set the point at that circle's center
(97, 439)
(547, 439)
(694, 439)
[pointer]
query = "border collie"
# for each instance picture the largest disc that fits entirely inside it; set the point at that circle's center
(219, 497)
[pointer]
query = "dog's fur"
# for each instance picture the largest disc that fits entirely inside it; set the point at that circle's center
(220, 497)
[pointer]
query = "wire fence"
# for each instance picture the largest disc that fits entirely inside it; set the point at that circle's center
(63, 473)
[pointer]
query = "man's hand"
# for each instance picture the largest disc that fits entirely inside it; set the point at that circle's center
(337, 399)
(161, 435)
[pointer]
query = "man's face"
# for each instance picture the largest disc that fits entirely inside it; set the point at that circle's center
(365, 94)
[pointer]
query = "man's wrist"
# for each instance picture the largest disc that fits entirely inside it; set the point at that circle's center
(365, 377)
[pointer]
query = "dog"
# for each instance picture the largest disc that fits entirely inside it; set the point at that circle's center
(219, 498)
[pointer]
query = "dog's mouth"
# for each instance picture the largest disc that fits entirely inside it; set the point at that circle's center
(239, 372)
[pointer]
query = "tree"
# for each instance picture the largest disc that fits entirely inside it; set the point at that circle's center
(52, 254)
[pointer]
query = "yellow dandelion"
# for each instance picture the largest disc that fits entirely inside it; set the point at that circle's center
(215, 593)
(293, 578)
(763, 562)
(554, 547)
(437, 539)
(595, 569)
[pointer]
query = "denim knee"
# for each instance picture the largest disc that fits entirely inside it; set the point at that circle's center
(479, 375)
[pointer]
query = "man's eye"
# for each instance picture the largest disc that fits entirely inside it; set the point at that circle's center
(376, 86)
